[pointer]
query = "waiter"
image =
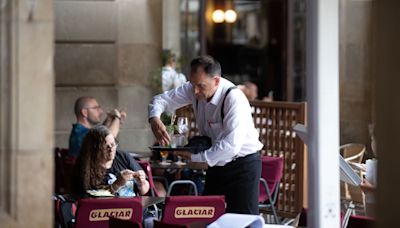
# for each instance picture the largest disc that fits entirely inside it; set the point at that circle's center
(222, 113)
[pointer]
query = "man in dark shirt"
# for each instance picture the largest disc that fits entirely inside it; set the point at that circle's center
(88, 114)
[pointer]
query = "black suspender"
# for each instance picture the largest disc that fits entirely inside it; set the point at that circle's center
(223, 102)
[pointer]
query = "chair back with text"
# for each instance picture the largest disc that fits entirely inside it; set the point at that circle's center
(357, 221)
(95, 212)
(189, 209)
(120, 223)
(271, 174)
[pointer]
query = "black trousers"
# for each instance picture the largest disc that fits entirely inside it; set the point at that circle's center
(238, 181)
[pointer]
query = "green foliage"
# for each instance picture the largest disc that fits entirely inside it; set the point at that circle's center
(171, 128)
(166, 118)
(155, 81)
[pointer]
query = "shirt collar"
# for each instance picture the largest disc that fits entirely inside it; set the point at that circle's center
(218, 93)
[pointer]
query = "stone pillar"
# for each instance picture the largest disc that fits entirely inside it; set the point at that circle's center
(355, 23)
(171, 20)
(27, 113)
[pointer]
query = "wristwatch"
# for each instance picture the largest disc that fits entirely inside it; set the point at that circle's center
(117, 114)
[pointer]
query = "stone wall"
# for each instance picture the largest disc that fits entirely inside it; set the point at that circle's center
(355, 70)
(107, 49)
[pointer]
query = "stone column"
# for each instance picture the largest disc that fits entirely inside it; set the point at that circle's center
(171, 30)
(27, 113)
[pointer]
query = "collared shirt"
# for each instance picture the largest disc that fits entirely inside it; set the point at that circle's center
(76, 137)
(171, 79)
(234, 136)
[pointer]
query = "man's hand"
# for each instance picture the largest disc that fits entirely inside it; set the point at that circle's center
(117, 114)
(123, 115)
(159, 131)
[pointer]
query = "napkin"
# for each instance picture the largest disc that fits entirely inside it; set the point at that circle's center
(100, 193)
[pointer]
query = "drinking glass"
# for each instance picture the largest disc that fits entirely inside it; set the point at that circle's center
(164, 155)
(183, 127)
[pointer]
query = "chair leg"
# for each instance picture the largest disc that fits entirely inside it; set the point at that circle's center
(275, 215)
(271, 199)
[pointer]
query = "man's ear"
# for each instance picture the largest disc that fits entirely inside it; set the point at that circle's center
(84, 112)
(217, 80)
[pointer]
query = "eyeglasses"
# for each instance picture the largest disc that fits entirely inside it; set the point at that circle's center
(97, 107)
(111, 146)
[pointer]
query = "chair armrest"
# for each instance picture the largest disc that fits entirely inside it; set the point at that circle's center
(179, 182)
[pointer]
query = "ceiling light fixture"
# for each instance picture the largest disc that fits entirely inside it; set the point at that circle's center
(230, 16)
(218, 16)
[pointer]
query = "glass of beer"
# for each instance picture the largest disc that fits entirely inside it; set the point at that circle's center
(164, 155)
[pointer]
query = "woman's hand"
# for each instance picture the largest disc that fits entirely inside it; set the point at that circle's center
(124, 176)
(143, 184)
(140, 177)
(367, 187)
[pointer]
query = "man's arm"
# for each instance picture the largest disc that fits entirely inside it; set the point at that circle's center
(114, 120)
(167, 102)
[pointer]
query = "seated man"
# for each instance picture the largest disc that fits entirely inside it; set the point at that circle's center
(88, 114)
(250, 90)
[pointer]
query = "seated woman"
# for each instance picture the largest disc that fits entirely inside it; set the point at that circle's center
(100, 166)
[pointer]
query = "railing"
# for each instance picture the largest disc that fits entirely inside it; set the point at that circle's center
(275, 122)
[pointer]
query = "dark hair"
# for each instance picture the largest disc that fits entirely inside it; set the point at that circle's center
(167, 57)
(211, 66)
(80, 103)
(89, 172)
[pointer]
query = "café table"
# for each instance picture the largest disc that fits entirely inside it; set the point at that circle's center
(140, 155)
(174, 165)
(159, 168)
(177, 168)
(151, 200)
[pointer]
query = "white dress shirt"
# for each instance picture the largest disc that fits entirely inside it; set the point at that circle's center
(233, 137)
(171, 79)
